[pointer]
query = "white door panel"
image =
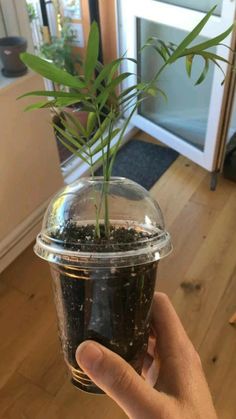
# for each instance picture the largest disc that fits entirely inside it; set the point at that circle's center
(189, 122)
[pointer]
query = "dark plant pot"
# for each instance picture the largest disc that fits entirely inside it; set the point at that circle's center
(103, 288)
(10, 49)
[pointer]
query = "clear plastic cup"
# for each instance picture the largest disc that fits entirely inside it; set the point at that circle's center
(103, 289)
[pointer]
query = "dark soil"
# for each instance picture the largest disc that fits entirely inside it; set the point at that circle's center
(109, 305)
(81, 238)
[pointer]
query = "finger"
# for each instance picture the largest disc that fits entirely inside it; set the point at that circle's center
(119, 380)
(148, 360)
(178, 357)
(151, 346)
(172, 339)
(152, 374)
(150, 370)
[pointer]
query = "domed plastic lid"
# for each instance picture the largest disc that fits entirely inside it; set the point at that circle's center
(74, 232)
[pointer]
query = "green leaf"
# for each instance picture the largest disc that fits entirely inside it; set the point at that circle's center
(92, 52)
(138, 102)
(160, 47)
(100, 131)
(125, 92)
(218, 65)
(118, 80)
(50, 71)
(204, 73)
(151, 91)
(76, 122)
(52, 93)
(108, 72)
(102, 98)
(92, 118)
(128, 98)
(158, 90)
(67, 136)
(189, 63)
(106, 140)
(227, 46)
(212, 56)
(211, 42)
(39, 105)
(71, 140)
(172, 46)
(165, 47)
(99, 66)
(160, 52)
(191, 36)
(116, 66)
(104, 156)
(104, 74)
(62, 102)
(147, 88)
(74, 133)
(116, 147)
(72, 150)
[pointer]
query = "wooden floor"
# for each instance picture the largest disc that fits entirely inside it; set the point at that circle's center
(200, 278)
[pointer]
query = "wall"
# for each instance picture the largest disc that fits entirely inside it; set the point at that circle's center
(29, 164)
(2, 25)
(16, 20)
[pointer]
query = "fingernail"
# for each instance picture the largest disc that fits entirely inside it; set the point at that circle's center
(89, 355)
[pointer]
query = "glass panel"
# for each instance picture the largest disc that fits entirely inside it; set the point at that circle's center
(200, 5)
(186, 111)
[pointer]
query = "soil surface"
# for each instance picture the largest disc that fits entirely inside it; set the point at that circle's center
(84, 237)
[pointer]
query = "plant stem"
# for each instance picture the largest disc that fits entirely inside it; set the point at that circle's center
(97, 226)
(105, 187)
(106, 209)
(155, 78)
(120, 139)
(107, 179)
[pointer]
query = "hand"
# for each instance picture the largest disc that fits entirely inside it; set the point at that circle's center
(180, 391)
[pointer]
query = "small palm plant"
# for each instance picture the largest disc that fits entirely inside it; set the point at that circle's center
(98, 92)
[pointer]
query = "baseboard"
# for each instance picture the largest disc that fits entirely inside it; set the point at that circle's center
(21, 237)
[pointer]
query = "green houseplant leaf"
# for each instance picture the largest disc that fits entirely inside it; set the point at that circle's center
(211, 42)
(191, 36)
(204, 72)
(92, 52)
(50, 71)
(53, 93)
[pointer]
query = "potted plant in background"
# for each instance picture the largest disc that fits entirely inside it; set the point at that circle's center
(31, 12)
(104, 237)
(59, 51)
(10, 49)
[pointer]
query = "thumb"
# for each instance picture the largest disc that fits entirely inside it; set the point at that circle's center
(119, 380)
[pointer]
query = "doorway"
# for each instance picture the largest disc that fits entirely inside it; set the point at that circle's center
(190, 120)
